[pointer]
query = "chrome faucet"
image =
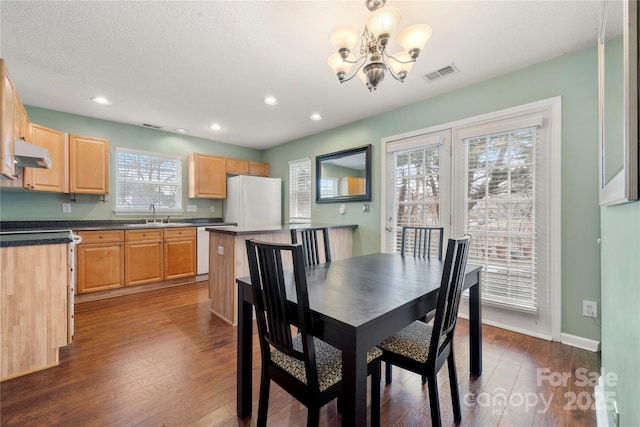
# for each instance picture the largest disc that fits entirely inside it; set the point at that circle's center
(152, 207)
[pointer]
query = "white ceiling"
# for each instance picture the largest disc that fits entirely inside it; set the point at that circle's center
(190, 64)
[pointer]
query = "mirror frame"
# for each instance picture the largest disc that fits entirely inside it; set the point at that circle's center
(366, 149)
(623, 187)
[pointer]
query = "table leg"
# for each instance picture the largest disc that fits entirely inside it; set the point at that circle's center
(475, 328)
(354, 387)
(244, 356)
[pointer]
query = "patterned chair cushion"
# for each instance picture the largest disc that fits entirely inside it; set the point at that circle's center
(412, 342)
(328, 361)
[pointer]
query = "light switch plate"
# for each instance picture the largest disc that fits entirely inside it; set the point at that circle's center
(192, 208)
(212, 208)
(66, 208)
(342, 209)
(220, 250)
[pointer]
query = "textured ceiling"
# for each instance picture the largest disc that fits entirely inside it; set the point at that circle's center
(190, 64)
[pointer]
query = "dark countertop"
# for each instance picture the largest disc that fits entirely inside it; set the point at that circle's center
(29, 238)
(239, 231)
(87, 225)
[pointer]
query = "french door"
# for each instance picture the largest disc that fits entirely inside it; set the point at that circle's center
(495, 179)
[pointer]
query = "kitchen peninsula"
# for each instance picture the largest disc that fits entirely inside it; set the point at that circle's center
(228, 258)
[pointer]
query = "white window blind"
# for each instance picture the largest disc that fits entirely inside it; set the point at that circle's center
(500, 213)
(416, 177)
(300, 190)
(145, 178)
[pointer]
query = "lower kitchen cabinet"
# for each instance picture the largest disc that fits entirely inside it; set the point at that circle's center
(143, 256)
(100, 260)
(179, 252)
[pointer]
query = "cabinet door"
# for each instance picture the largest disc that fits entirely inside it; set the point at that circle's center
(258, 168)
(54, 179)
(88, 165)
(179, 258)
(100, 266)
(237, 166)
(207, 176)
(7, 115)
(143, 262)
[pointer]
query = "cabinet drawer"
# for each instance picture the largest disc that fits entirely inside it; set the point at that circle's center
(101, 236)
(174, 233)
(148, 234)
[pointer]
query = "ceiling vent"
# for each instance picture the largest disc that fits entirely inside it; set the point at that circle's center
(147, 125)
(445, 71)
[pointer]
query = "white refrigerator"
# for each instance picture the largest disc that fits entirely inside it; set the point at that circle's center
(253, 201)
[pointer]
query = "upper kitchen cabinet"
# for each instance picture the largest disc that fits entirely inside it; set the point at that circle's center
(258, 168)
(54, 179)
(207, 176)
(237, 166)
(88, 165)
(8, 109)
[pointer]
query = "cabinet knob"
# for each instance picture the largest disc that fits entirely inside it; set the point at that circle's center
(101, 237)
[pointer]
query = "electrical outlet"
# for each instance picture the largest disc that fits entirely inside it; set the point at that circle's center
(66, 208)
(342, 209)
(589, 308)
(192, 208)
(212, 208)
(366, 208)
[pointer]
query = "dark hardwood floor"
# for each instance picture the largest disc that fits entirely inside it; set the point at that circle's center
(162, 359)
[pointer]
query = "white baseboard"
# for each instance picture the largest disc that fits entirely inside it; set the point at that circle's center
(580, 342)
(572, 340)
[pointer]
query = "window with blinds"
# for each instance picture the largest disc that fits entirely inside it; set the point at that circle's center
(300, 190)
(417, 188)
(145, 178)
(500, 215)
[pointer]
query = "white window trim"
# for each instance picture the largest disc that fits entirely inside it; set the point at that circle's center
(146, 212)
(554, 192)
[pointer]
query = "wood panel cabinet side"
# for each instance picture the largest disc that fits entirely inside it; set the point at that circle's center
(34, 312)
(7, 117)
(222, 289)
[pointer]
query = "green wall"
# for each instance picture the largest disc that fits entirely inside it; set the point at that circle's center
(574, 77)
(620, 302)
(35, 205)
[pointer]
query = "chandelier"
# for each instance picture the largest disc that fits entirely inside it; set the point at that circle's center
(374, 60)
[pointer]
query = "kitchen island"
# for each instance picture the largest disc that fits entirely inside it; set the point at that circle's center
(228, 258)
(36, 302)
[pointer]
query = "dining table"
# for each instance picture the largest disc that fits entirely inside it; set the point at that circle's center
(356, 303)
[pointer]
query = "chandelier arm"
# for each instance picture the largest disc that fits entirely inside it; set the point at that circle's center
(390, 69)
(398, 60)
(356, 61)
(355, 73)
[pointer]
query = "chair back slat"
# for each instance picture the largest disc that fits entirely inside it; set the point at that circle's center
(449, 294)
(310, 244)
(421, 241)
(273, 315)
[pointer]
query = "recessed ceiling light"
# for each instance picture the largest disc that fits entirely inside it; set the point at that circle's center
(100, 100)
(215, 126)
(316, 116)
(181, 130)
(271, 100)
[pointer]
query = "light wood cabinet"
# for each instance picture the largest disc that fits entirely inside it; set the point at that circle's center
(179, 252)
(8, 118)
(207, 176)
(258, 168)
(100, 260)
(237, 166)
(56, 178)
(88, 165)
(34, 311)
(143, 256)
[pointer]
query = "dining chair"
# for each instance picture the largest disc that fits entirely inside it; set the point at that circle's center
(423, 348)
(420, 242)
(310, 247)
(306, 367)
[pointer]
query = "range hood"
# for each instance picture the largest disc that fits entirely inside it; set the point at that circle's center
(31, 156)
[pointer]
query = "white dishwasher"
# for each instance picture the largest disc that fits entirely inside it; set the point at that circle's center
(202, 242)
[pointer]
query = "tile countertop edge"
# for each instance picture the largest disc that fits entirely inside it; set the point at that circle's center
(88, 225)
(238, 231)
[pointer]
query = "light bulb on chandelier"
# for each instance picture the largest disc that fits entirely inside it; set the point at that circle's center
(374, 61)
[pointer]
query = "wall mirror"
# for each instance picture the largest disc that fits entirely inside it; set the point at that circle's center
(344, 175)
(618, 102)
